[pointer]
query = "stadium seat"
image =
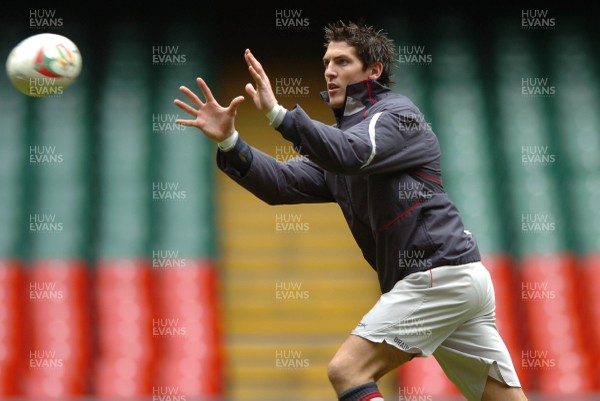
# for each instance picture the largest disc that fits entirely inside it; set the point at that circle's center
(590, 305)
(424, 377)
(59, 347)
(13, 342)
(577, 125)
(55, 247)
(190, 352)
(123, 286)
(556, 350)
(13, 155)
(125, 305)
(410, 78)
(508, 310)
(189, 342)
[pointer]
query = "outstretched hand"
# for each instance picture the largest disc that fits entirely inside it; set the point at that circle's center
(216, 121)
(262, 94)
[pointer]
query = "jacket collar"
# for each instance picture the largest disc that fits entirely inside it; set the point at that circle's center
(359, 95)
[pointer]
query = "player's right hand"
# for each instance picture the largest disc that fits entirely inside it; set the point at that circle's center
(216, 121)
(261, 93)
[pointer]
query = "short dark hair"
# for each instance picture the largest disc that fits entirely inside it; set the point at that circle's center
(371, 45)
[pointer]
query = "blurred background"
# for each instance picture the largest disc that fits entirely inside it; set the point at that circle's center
(131, 268)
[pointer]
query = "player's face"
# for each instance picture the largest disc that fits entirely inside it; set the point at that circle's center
(342, 67)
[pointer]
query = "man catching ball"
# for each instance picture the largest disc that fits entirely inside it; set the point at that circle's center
(381, 163)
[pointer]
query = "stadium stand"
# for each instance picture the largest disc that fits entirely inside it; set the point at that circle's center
(547, 268)
(13, 158)
(184, 244)
(576, 120)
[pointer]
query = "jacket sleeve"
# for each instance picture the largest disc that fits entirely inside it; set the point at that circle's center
(384, 141)
(297, 180)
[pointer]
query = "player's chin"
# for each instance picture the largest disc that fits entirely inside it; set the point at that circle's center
(336, 102)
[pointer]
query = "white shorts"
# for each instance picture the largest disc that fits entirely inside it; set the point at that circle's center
(447, 312)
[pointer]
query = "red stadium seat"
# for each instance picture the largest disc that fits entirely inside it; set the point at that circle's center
(125, 308)
(126, 376)
(590, 307)
(188, 334)
(508, 316)
(423, 377)
(59, 348)
(12, 341)
(557, 353)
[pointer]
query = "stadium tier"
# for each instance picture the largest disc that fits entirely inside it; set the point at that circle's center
(575, 116)
(535, 210)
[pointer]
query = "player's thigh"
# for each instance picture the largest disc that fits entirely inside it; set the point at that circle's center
(496, 391)
(358, 357)
(474, 355)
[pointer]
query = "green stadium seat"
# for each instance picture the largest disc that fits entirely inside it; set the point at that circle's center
(124, 281)
(462, 123)
(13, 158)
(459, 120)
(409, 77)
(547, 271)
(577, 125)
(56, 244)
(185, 230)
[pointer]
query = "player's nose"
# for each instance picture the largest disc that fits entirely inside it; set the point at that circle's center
(330, 71)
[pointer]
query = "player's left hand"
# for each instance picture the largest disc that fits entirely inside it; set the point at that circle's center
(262, 94)
(216, 121)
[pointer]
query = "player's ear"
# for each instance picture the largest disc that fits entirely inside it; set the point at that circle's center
(375, 70)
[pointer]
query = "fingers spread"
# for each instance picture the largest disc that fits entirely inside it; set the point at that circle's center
(186, 107)
(191, 95)
(205, 90)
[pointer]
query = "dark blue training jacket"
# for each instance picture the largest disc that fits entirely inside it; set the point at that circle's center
(381, 164)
